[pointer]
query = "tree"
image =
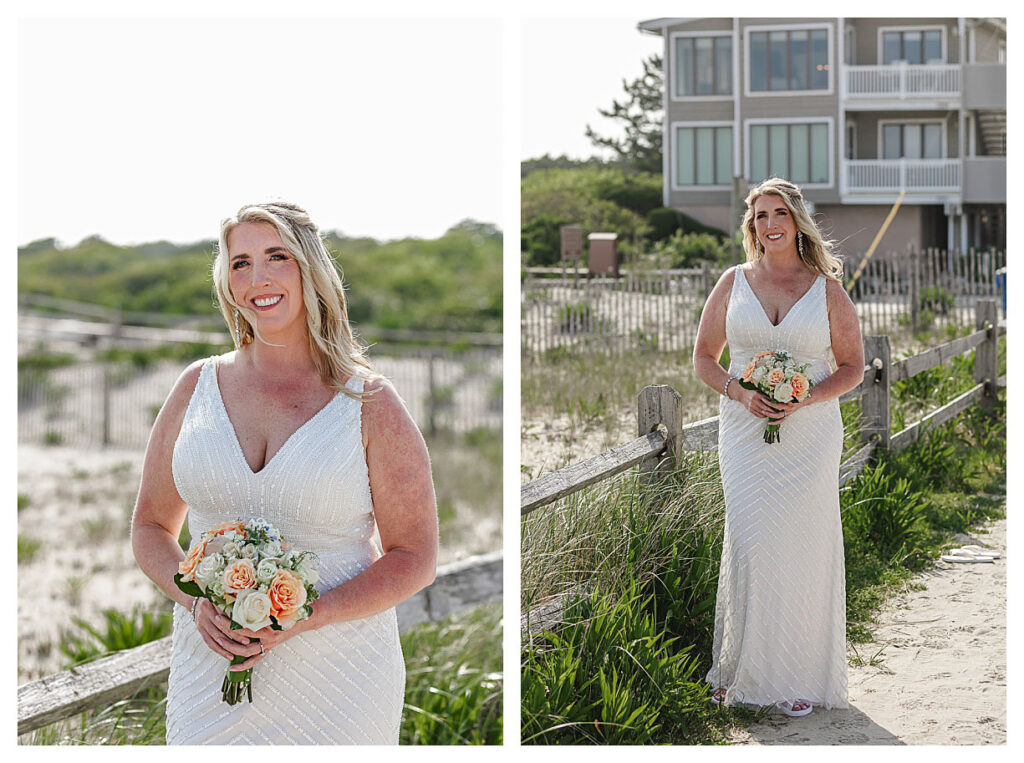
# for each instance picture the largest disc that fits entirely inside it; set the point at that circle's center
(641, 111)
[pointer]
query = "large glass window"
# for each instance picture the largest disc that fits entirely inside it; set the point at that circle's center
(703, 66)
(910, 140)
(797, 152)
(703, 156)
(912, 46)
(789, 60)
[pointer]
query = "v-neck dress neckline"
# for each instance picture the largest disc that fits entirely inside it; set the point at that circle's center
(791, 308)
(234, 432)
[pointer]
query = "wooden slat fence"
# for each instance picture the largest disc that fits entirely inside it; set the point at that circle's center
(571, 311)
(457, 587)
(663, 435)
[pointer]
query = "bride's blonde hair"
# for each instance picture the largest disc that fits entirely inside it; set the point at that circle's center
(818, 251)
(336, 352)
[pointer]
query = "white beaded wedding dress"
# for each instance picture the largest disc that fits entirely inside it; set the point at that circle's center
(340, 684)
(780, 619)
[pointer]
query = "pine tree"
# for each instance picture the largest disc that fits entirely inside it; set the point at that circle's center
(641, 110)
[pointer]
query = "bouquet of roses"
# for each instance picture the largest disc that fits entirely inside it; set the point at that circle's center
(255, 578)
(776, 374)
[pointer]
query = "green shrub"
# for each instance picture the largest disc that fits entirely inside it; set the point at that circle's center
(609, 676)
(686, 250)
(935, 300)
(119, 631)
(453, 692)
(665, 221)
(27, 548)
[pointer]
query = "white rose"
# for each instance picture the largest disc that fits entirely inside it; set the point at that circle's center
(208, 570)
(759, 374)
(252, 610)
(307, 570)
(216, 587)
(784, 392)
(272, 548)
(249, 551)
(231, 550)
(266, 570)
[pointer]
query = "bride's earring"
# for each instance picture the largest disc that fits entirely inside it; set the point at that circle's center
(238, 336)
(800, 243)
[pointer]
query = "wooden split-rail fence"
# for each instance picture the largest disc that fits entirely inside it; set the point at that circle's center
(457, 587)
(663, 436)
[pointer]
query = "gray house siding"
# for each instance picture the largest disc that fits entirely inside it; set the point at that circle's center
(868, 30)
(858, 197)
(867, 127)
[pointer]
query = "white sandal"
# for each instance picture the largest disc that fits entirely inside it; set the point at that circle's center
(786, 708)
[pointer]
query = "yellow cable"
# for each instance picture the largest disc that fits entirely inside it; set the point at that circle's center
(878, 237)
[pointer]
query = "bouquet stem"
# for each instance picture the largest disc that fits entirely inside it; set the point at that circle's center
(771, 431)
(237, 683)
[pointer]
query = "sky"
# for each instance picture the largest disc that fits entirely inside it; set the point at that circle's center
(151, 129)
(570, 68)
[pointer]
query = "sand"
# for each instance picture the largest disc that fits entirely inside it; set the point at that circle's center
(940, 666)
(79, 509)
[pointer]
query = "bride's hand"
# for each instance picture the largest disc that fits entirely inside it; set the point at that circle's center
(215, 629)
(760, 405)
(268, 638)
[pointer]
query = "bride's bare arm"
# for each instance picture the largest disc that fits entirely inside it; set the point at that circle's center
(159, 510)
(707, 350)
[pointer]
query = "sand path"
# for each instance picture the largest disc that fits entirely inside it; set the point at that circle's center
(941, 677)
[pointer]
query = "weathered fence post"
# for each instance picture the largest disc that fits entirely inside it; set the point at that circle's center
(106, 382)
(986, 355)
(660, 404)
(874, 402)
(705, 279)
(915, 289)
(432, 396)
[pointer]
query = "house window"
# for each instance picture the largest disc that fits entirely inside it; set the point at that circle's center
(912, 140)
(797, 152)
(703, 66)
(912, 46)
(703, 155)
(795, 59)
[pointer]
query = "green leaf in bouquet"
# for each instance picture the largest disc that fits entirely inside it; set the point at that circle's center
(188, 586)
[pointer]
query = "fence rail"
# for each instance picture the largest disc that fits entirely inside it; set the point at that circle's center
(457, 587)
(569, 311)
(94, 403)
(663, 435)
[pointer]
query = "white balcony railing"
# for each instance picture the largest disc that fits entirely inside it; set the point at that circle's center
(903, 81)
(894, 175)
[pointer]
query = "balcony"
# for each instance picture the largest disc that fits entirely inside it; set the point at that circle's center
(902, 86)
(926, 181)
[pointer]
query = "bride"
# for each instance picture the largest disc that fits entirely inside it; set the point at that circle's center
(780, 619)
(294, 427)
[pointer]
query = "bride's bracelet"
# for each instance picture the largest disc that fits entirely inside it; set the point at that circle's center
(195, 603)
(726, 390)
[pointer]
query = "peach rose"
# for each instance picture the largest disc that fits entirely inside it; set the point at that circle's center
(239, 576)
(776, 376)
(225, 527)
(187, 567)
(287, 596)
(748, 371)
(800, 385)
